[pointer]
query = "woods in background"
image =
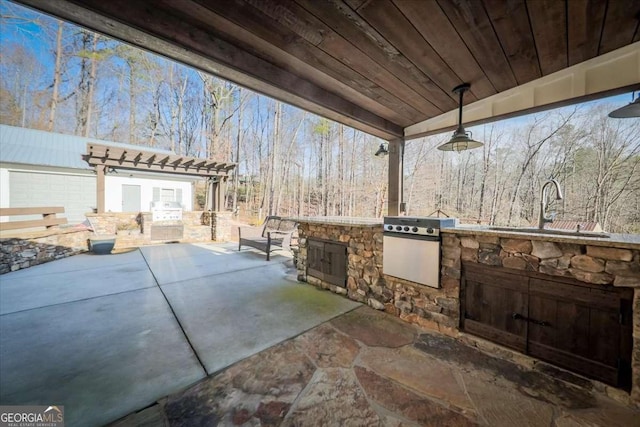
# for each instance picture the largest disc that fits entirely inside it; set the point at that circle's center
(60, 78)
(595, 158)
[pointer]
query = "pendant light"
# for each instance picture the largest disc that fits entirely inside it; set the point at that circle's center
(630, 110)
(461, 139)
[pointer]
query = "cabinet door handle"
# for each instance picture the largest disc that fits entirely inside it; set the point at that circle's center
(539, 322)
(518, 316)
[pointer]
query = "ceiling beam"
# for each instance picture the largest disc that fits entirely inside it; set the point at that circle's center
(152, 29)
(608, 74)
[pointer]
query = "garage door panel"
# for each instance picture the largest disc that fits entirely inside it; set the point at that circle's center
(77, 194)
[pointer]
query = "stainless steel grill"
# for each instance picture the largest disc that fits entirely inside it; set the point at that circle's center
(411, 248)
(166, 211)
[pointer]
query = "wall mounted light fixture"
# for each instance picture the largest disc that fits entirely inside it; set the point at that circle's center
(383, 150)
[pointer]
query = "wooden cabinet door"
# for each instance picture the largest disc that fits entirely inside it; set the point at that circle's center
(494, 304)
(315, 252)
(327, 261)
(577, 327)
(584, 328)
(335, 264)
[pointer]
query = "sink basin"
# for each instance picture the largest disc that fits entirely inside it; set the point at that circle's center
(533, 230)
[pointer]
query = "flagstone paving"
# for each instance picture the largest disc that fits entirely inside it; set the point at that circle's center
(366, 368)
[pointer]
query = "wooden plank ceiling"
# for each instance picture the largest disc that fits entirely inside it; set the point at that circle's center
(376, 65)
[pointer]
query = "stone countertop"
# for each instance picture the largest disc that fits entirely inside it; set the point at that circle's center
(339, 220)
(627, 241)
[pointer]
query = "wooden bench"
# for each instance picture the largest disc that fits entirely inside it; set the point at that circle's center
(48, 219)
(275, 233)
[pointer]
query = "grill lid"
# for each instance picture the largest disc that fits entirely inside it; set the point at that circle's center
(164, 206)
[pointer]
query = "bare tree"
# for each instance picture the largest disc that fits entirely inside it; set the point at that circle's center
(86, 85)
(533, 143)
(57, 75)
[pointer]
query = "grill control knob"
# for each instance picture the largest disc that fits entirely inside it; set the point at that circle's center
(414, 229)
(406, 228)
(430, 230)
(399, 227)
(389, 227)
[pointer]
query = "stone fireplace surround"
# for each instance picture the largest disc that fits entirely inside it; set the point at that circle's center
(606, 263)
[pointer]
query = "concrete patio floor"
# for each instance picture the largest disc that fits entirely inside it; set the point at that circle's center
(108, 335)
(366, 368)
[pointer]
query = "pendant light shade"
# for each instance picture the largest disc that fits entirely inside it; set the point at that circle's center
(461, 139)
(630, 110)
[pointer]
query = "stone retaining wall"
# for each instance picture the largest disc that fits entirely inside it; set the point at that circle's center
(223, 228)
(39, 247)
(195, 223)
(108, 222)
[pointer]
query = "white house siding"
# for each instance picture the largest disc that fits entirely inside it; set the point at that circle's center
(76, 192)
(4, 188)
(114, 182)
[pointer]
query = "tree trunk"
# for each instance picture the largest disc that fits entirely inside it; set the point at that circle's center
(486, 162)
(92, 78)
(274, 155)
(236, 172)
(57, 74)
(132, 104)
(85, 86)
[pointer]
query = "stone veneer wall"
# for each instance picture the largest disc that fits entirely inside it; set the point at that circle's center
(39, 247)
(107, 223)
(429, 307)
(223, 229)
(196, 227)
(599, 265)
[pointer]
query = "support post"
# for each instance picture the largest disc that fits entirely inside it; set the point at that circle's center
(194, 198)
(222, 192)
(217, 195)
(100, 172)
(213, 199)
(396, 181)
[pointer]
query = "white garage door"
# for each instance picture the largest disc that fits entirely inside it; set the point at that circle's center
(76, 193)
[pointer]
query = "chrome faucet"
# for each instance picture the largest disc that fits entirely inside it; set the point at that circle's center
(543, 202)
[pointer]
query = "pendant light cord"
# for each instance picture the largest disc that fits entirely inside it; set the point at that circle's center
(460, 108)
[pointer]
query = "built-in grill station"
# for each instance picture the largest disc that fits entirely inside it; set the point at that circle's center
(166, 211)
(411, 248)
(166, 221)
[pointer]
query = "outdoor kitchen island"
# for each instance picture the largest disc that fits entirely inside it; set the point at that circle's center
(351, 250)
(545, 274)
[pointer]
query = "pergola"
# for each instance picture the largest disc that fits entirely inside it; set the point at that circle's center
(387, 67)
(104, 158)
